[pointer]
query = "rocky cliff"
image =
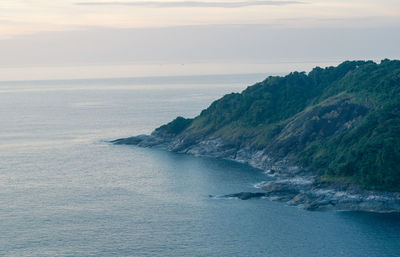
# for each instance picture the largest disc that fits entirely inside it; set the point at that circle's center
(330, 138)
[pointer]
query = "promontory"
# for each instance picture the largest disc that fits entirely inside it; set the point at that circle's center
(329, 138)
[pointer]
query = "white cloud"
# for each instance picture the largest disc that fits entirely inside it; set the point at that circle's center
(32, 16)
(191, 4)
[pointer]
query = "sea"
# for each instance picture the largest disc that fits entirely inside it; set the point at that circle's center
(66, 191)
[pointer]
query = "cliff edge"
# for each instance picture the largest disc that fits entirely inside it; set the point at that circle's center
(330, 138)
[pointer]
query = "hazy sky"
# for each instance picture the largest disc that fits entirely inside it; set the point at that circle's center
(32, 16)
(37, 33)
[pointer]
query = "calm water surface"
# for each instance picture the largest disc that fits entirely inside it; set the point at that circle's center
(64, 191)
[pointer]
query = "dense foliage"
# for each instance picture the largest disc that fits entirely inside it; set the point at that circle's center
(343, 122)
(176, 126)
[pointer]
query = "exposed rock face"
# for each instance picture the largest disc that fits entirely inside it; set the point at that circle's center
(338, 121)
(321, 121)
(142, 141)
(289, 183)
(310, 194)
(243, 195)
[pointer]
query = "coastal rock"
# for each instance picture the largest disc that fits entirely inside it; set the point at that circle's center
(142, 141)
(244, 195)
(336, 121)
(289, 183)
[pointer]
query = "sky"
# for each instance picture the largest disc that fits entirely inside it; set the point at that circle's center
(113, 38)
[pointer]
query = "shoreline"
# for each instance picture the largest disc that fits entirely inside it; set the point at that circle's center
(290, 183)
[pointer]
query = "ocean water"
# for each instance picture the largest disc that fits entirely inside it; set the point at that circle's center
(65, 191)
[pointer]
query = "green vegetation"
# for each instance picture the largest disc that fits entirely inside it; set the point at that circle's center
(176, 126)
(343, 122)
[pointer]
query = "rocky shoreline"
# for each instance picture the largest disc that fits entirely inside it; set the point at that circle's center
(289, 183)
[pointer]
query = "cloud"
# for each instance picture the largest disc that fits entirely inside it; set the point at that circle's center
(171, 4)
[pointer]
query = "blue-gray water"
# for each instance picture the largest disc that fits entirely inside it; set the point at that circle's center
(64, 191)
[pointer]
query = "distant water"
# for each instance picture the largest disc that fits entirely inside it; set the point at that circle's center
(64, 191)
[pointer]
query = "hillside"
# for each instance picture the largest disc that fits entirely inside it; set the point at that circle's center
(341, 123)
